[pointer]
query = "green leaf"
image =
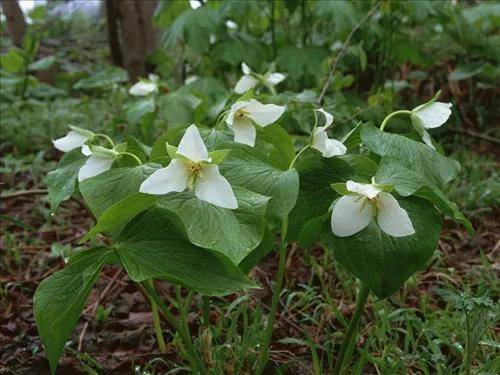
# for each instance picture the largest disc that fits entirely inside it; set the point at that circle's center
(234, 233)
(178, 109)
(151, 246)
(59, 299)
(275, 142)
(12, 61)
(119, 214)
(101, 79)
(315, 195)
(384, 262)
(218, 156)
(140, 108)
(414, 155)
(300, 63)
(251, 169)
(252, 259)
(408, 182)
(104, 190)
(61, 182)
(43, 64)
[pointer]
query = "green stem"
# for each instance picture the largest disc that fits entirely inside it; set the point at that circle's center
(194, 358)
(391, 115)
(156, 322)
(468, 354)
(297, 156)
(139, 162)
(110, 141)
(264, 353)
(352, 329)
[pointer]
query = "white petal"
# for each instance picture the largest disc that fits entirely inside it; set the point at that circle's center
(328, 117)
(333, 148)
(142, 88)
(86, 150)
(391, 218)
(232, 111)
(93, 166)
(368, 190)
(433, 115)
(153, 77)
(350, 215)
(426, 137)
(245, 69)
(319, 139)
(70, 141)
(245, 83)
(244, 132)
(263, 114)
(192, 146)
(274, 78)
(212, 187)
(174, 177)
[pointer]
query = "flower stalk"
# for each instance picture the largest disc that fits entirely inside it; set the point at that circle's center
(352, 330)
(391, 115)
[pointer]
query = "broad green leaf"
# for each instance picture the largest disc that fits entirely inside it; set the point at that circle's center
(12, 61)
(116, 216)
(43, 64)
(102, 79)
(178, 109)
(151, 246)
(276, 144)
(59, 299)
(249, 168)
(252, 259)
(61, 182)
(108, 188)
(315, 196)
(384, 262)
(234, 233)
(140, 108)
(407, 182)
(300, 63)
(414, 155)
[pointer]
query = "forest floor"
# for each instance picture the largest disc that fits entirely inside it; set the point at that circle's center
(116, 333)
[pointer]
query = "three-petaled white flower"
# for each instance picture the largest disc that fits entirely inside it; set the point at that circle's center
(145, 86)
(249, 80)
(192, 169)
(327, 146)
(429, 116)
(100, 160)
(75, 138)
(354, 211)
(243, 115)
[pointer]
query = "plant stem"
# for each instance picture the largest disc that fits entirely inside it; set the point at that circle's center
(297, 156)
(263, 357)
(352, 329)
(110, 141)
(194, 358)
(139, 162)
(391, 115)
(156, 322)
(468, 351)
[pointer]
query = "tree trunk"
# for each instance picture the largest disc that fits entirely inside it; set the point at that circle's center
(16, 24)
(132, 21)
(113, 37)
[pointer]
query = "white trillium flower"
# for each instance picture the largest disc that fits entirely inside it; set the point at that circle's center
(429, 116)
(355, 211)
(145, 87)
(97, 163)
(327, 146)
(75, 138)
(243, 115)
(192, 170)
(249, 80)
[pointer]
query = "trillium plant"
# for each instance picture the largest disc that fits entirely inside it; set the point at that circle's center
(199, 207)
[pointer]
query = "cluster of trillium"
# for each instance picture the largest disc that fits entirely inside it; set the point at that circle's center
(192, 167)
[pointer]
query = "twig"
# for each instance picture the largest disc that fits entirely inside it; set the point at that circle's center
(23, 193)
(342, 52)
(473, 134)
(94, 307)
